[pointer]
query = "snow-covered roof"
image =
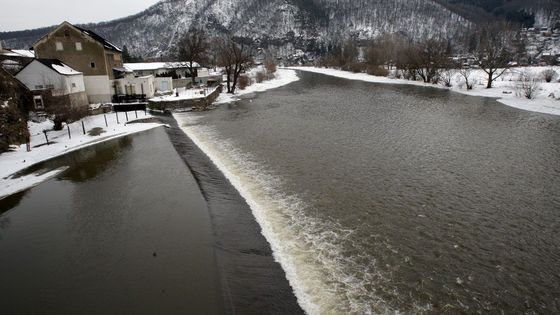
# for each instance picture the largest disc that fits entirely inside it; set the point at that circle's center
(150, 66)
(24, 53)
(58, 66)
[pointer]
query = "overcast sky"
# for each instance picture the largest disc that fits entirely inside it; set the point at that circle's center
(25, 14)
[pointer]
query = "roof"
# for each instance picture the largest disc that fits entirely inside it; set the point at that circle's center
(147, 66)
(107, 44)
(58, 66)
(24, 53)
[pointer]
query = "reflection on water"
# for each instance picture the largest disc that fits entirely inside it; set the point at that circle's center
(11, 202)
(115, 234)
(89, 161)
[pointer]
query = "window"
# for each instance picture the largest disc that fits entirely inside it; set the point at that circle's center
(73, 85)
(49, 86)
(59, 46)
(38, 100)
(39, 87)
(92, 65)
(66, 33)
(78, 46)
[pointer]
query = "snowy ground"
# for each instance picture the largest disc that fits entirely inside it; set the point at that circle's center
(504, 88)
(13, 162)
(282, 77)
(185, 94)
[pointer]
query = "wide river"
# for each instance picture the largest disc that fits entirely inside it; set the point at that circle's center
(375, 199)
(385, 199)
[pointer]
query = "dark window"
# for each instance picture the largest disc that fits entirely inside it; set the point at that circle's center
(66, 33)
(92, 64)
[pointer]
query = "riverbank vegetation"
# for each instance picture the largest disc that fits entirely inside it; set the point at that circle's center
(493, 49)
(13, 112)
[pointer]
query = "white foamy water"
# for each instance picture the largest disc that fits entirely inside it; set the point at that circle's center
(324, 278)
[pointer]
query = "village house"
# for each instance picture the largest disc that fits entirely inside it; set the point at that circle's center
(130, 86)
(86, 52)
(13, 60)
(54, 83)
(178, 71)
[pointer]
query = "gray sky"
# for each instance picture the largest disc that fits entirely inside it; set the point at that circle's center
(26, 14)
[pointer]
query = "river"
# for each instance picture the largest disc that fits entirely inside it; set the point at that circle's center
(385, 199)
(368, 198)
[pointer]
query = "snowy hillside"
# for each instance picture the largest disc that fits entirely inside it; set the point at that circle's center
(290, 27)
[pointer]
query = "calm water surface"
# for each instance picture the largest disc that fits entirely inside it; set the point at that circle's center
(124, 231)
(384, 199)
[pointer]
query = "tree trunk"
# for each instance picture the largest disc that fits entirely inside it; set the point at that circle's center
(228, 74)
(490, 80)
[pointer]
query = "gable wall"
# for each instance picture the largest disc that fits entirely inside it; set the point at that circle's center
(92, 51)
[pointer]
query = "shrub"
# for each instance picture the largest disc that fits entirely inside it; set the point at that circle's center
(377, 71)
(13, 126)
(528, 86)
(446, 77)
(261, 76)
(356, 67)
(548, 75)
(244, 82)
(270, 66)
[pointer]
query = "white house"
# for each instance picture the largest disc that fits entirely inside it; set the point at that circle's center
(51, 81)
(131, 85)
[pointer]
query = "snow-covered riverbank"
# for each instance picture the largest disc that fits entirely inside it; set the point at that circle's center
(503, 90)
(282, 77)
(60, 143)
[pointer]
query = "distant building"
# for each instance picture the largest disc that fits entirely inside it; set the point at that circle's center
(180, 69)
(13, 60)
(52, 82)
(87, 52)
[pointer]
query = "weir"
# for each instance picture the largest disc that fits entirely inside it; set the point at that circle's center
(252, 281)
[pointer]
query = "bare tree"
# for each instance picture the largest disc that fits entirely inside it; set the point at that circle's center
(493, 50)
(466, 74)
(193, 48)
(235, 58)
(432, 56)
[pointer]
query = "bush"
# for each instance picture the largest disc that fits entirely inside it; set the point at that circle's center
(356, 67)
(446, 77)
(270, 66)
(377, 71)
(528, 86)
(244, 82)
(261, 76)
(13, 126)
(548, 75)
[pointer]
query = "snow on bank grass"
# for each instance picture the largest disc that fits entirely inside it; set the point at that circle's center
(282, 77)
(504, 88)
(15, 161)
(185, 94)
